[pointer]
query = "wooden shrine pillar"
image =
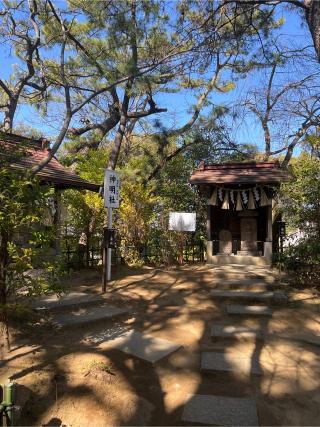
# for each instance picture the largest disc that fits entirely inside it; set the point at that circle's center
(209, 236)
(268, 243)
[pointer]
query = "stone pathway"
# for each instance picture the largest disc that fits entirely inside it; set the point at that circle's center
(251, 310)
(76, 308)
(220, 411)
(228, 410)
(237, 332)
(73, 299)
(79, 308)
(220, 362)
(81, 316)
(243, 295)
(143, 346)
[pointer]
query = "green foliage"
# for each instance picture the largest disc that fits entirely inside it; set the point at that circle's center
(302, 261)
(85, 209)
(143, 217)
(301, 196)
(20, 312)
(24, 244)
(300, 206)
(135, 217)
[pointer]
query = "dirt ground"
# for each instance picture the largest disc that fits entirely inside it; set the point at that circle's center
(68, 377)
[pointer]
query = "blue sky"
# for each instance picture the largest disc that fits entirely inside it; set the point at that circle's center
(179, 104)
(250, 130)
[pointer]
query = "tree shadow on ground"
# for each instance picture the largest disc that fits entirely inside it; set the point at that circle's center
(178, 311)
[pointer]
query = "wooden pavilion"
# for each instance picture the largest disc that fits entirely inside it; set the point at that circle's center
(35, 150)
(30, 152)
(241, 215)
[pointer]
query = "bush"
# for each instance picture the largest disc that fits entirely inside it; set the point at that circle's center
(303, 260)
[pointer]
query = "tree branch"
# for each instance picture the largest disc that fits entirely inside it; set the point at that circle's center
(5, 88)
(301, 132)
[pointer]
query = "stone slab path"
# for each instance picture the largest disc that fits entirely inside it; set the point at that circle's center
(143, 346)
(87, 315)
(252, 285)
(252, 310)
(72, 299)
(237, 332)
(220, 411)
(224, 362)
(234, 283)
(243, 295)
(311, 339)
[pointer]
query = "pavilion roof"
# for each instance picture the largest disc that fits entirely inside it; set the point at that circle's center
(33, 152)
(239, 173)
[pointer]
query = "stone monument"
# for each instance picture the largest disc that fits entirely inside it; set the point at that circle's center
(225, 242)
(248, 230)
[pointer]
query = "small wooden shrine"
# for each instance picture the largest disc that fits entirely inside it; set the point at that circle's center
(240, 216)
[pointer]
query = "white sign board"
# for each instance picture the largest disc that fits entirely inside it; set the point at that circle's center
(111, 189)
(182, 221)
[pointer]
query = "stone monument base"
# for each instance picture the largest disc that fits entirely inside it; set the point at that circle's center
(227, 254)
(248, 253)
(237, 259)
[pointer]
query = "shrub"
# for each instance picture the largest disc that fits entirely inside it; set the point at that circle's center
(303, 260)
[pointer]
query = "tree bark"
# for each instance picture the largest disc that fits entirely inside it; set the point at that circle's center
(313, 20)
(301, 132)
(4, 328)
(267, 141)
(117, 142)
(9, 115)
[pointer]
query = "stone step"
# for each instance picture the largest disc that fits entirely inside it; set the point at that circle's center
(249, 284)
(236, 332)
(212, 362)
(237, 275)
(244, 288)
(242, 268)
(220, 411)
(81, 316)
(239, 260)
(252, 310)
(146, 347)
(247, 280)
(243, 295)
(242, 277)
(313, 339)
(71, 300)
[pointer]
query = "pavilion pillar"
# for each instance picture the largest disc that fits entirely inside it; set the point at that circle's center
(268, 243)
(209, 236)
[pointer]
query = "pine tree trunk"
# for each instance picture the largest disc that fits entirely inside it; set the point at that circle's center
(313, 19)
(4, 327)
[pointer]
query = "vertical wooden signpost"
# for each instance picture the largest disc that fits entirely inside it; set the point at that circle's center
(111, 201)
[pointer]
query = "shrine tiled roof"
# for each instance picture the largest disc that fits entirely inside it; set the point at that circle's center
(33, 152)
(239, 173)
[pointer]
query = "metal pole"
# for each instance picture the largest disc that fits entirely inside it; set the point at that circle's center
(109, 250)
